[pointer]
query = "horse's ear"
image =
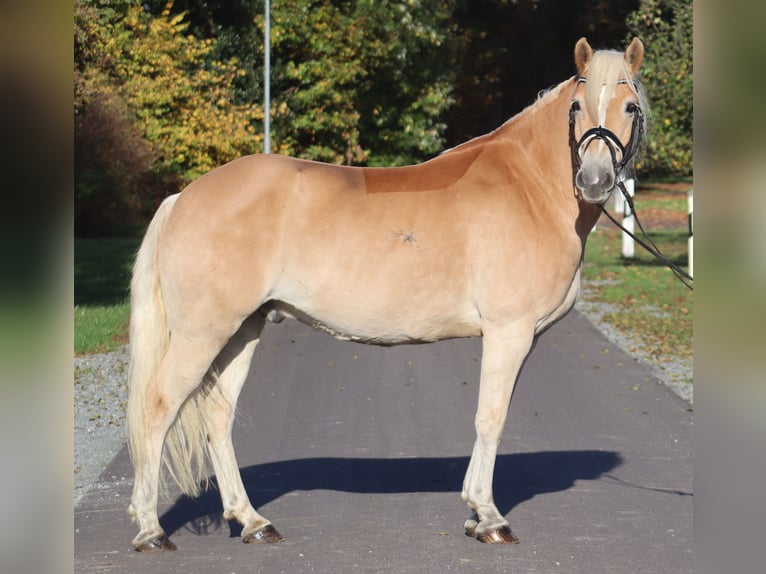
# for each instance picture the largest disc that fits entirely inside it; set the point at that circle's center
(634, 55)
(583, 53)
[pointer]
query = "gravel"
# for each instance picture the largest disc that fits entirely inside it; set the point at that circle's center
(100, 400)
(101, 393)
(675, 372)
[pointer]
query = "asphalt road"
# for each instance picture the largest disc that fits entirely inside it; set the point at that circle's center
(357, 455)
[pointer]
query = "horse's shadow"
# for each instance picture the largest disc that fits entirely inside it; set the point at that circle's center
(518, 478)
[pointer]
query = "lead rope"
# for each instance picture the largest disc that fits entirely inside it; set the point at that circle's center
(651, 247)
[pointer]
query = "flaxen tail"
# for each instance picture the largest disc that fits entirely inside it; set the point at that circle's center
(148, 331)
(184, 451)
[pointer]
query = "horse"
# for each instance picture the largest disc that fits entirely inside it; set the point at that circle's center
(485, 239)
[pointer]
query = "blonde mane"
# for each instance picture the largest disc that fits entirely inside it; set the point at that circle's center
(607, 69)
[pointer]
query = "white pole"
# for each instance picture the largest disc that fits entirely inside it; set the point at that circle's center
(690, 197)
(628, 220)
(267, 83)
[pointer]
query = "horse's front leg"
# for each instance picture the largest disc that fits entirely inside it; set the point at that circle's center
(504, 350)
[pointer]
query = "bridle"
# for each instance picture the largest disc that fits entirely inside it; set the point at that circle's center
(613, 144)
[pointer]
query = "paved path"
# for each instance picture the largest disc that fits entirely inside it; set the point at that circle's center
(357, 455)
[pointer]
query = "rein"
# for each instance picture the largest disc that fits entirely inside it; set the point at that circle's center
(613, 144)
(649, 245)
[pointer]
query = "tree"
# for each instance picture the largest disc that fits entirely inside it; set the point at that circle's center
(182, 96)
(360, 81)
(316, 68)
(230, 24)
(167, 90)
(665, 27)
(409, 51)
(111, 156)
(509, 50)
(353, 81)
(155, 95)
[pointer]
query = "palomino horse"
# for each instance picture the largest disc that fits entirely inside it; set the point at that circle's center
(484, 240)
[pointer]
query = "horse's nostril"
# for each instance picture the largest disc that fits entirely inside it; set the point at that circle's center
(597, 179)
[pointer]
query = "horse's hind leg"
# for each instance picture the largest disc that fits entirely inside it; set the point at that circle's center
(179, 374)
(234, 363)
(504, 350)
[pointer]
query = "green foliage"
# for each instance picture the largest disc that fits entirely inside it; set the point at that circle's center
(111, 154)
(230, 24)
(167, 90)
(181, 95)
(408, 53)
(359, 82)
(163, 95)
(316, 68)
(153, 108)
(665, 27)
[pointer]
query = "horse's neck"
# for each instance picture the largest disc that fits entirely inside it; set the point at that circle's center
(543, 130)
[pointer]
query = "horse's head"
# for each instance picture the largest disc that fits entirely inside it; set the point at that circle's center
(606, 117)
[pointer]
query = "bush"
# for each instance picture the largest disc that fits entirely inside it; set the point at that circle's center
(112, 161)
(153, 111)
(665, 27)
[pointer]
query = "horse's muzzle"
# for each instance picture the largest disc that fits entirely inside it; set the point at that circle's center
(595, 182)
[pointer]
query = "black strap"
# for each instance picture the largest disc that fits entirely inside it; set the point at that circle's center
(651, 247)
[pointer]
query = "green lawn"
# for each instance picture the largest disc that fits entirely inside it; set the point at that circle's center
(101, 279)
(650, 303)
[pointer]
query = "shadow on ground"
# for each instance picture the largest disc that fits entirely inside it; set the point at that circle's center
(518, 478)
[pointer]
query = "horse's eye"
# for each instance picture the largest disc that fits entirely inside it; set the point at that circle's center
(575, 106)
(631, 108)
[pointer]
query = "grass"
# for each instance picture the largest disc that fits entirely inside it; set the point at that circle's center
(674, 204)
(101, 278)
(100, 328)
(646, 300)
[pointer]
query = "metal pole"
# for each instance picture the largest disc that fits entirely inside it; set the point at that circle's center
(267, 83)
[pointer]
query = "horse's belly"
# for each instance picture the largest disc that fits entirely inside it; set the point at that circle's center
(367, 320)
(385, 332)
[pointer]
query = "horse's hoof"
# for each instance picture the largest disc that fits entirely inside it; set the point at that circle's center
(501, 535)
(266, 535)
(159, 544)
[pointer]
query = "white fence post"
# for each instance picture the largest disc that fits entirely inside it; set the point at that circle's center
(628, 220)
(690, 197)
